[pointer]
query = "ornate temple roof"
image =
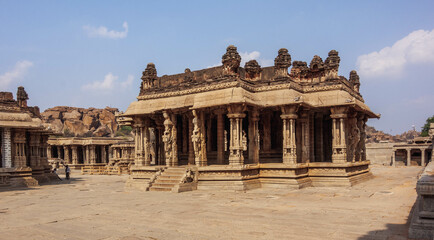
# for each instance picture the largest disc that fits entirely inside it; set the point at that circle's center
(316, 85)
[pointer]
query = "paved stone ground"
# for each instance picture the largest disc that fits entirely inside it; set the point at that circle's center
(98, 207)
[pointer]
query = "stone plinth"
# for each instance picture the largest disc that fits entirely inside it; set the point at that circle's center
(422, 220)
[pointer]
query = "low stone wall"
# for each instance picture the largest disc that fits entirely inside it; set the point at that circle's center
(380, 153)
(422, 220)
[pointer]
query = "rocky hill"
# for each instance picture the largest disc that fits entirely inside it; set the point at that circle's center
(373, 135)
(72, 121)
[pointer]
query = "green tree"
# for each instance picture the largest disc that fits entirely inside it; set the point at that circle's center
(124, 131)
(425, 128)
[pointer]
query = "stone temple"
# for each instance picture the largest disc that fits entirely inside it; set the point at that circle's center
(237, 128)
(23, 142)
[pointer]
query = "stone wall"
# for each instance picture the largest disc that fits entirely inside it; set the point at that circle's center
(380, 153)
(72, 121)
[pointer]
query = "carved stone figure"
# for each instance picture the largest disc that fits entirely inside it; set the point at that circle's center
(353, 138)
(244, 141)
(168, 137)
(231, 60)
(253, 69)
(196, 138)
(282, 62)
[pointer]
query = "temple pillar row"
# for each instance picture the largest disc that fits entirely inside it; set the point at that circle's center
(289, 117)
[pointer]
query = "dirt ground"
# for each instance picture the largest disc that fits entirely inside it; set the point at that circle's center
(98, 207)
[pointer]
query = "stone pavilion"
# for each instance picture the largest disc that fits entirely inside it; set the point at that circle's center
(241, 127)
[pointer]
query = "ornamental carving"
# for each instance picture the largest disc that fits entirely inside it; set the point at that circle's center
(282, 62)
(355, 80)
(253, 70)
(332, 65)
(231, 61)
(169, 139)
(149, 77)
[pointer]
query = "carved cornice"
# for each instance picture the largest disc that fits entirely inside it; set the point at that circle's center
(225, 83)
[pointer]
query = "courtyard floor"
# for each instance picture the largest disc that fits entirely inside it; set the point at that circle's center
(98, 207)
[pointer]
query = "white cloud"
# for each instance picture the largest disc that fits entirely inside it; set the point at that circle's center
(16, 74)
(246, 56)
(109, 83)
(105, 33)
(417, 47)
(127, 82)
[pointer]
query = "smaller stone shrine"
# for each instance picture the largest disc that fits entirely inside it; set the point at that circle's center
(23, 143)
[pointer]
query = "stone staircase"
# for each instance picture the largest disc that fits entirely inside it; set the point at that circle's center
(169, 180)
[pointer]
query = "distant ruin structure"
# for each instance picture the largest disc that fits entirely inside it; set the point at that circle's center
(235, 127)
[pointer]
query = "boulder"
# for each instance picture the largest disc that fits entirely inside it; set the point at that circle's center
(73, 115)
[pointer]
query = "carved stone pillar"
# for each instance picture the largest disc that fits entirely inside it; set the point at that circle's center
(198, 139)
(266, 120)
(422, 155)
(85, 160)
(190, 141)
(236, 115)
(19, 146)
(339, 115)
(92, 153)
(160, 144)
(305, 133)
(254, 136)
(6, 148)
(394, 157)
(209, 133)
(408, 157)
(170, 139)
(49, 152)
(289, 116)
(360, 154)
(74, 154)
(66, 153)
(34, 143)
(103, 154)
(220, 136)
(59, 153)
(139, 143)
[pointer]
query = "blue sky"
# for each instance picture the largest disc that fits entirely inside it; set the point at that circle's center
(92, 53)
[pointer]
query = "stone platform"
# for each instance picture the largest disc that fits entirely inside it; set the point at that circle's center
(268, 175)
(99, 207)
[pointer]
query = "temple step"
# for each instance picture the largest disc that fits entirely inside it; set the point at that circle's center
(168, 180)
